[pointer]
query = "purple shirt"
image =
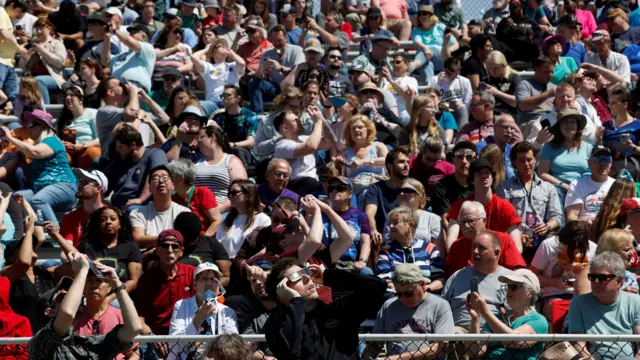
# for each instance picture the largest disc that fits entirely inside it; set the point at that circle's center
(267, 197)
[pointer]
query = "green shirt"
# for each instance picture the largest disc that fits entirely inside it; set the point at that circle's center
(567, 66)
(497, 350)
(189, 21)
(452, 16)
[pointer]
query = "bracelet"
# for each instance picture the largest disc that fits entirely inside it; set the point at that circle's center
(121, 287)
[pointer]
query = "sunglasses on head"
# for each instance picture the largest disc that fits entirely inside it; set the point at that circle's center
(600, 277)
(601, 159)
(339, 188)
(172, 246)
(407, 294)
(407, 191)
(297, 276)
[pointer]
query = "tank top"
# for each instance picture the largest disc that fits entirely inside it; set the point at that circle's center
(373, 153)
(215, 177)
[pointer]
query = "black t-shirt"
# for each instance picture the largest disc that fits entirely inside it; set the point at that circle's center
(473, 66)
(24, 293)
(92, 101)
(67, 26)
(122, 254)
(507, 86)
(384, 197)
(446, 192)
(206, 249)
(340, 85)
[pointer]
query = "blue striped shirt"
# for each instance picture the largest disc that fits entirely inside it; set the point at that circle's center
(425, 255)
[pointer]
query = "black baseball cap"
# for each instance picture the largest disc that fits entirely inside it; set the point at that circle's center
(479, 163)
(46, 300)
(465, 145)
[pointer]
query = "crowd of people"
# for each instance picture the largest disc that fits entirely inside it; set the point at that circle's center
(224, 167)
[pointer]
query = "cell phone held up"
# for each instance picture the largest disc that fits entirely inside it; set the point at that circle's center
(624, 138)
(545, 123)
(473, 284)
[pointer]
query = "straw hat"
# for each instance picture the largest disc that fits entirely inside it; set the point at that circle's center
(562, 351)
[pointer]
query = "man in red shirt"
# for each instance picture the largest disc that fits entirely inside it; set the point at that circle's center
(473, 220)
(252, 50)
(500, 214)
(92, 185)
(166, 282)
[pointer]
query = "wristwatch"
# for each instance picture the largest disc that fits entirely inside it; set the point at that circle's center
(121, 287)
(363, 260)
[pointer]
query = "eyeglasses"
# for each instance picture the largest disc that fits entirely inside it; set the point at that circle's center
(95, 327)
(469, 155)
(601, 277)
(235, 193)
(407, 191)
(423, 13)
(369, 92)
(226, 95)
(600, 159)
(335, 57)
(297, 276)
(172, 246)
(280, 174)
(398, 62)
(157, 179)
(514, 287)
(339, 188)
(471, 222)
(407, 294)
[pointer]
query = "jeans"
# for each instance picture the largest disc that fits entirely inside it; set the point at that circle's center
(209, 107)
(429, 67)
(260, 90)
(55, 197)
(9, 82)
(46, 84)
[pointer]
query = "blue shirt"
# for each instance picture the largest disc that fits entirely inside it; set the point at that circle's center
(447, 121)
(357, 221)
(425, 255)
(135, 67)
(634, 18)
(577, 52)
(293, 36)
(497, 350)
(52, 170)
(186, 151)
(567, 165)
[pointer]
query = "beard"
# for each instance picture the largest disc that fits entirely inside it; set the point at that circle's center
(334, 67)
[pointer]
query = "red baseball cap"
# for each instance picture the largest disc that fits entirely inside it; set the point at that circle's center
(629, 205)
(162, 237)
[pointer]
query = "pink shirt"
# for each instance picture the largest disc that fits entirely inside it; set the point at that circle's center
(84, 323)
(589, 25)
(393, 9)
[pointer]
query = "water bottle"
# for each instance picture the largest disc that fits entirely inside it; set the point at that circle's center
(535, 236)
(39, 218)
(209, 296)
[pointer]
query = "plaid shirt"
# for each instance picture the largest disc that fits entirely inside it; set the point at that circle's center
(47, 344)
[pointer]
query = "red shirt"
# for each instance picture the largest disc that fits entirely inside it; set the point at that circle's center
(202, 201)
(211, 21)
(501, 215)
(72, 223)
(251, 53)
(157, 294)
(460, 254)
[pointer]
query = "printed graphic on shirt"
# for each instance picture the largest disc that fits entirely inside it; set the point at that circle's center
(412, 326)
(593, 201)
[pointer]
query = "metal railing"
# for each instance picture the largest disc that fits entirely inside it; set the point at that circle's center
(450, 346)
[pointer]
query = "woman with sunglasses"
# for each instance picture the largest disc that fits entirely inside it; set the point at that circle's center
(261, 9)
(245, 216)
(51, 183)
(412, 195)
(553, 46)
(559, 261)
(624, 128)
(430, 32)
(77, 128)
(621, 241)
(266, 135)
(47, 61)
(523, 289)
(583, 17)
(171, 52)
(201, 314)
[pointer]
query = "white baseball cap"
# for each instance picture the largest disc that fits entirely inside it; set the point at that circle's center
(206, 267)
(114, 11)
(94, 175)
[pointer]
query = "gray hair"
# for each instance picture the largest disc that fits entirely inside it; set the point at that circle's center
(185, 168)
(486, 97)
(472, 206)
(274, 162)
(610, 261)
(337, 15)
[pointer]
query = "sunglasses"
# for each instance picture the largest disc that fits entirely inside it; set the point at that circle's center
(514, 287)
(374, 17)
(172, 246)
(297, 276)
(466, 153)
(600, 277)
(226, 95)
(32, 125)
(369, 92)
(600, 159)
(236, 192)
(424, 13)
(398, 62)
(335, 57)
(407, 191)
(338, 188)
(407, 294)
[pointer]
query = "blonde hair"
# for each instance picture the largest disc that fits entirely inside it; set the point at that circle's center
(432, 129)
(421, 195)
(613, 240)
(493, 153)
(371, 130)
(416, 22)
(404, 213)
(498, 58)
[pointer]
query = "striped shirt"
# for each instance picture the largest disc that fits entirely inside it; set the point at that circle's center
(215, 177)
(424, 254)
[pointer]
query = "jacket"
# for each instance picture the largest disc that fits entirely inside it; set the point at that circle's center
(53, 62)
(329, 331)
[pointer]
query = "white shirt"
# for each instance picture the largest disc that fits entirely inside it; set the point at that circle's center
(300, 167)
(152, 221)
(458, 89)
(593, 120)
(615, 62)
(233, 238)
(224, 321)
(405, 82)
(26, 22)
(589, 194)
(115, 40)
(216, 76)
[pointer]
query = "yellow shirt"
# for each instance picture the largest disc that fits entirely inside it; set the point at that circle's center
(7, 52)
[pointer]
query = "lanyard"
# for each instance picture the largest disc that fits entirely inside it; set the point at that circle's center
(193, 189)
(529, 195)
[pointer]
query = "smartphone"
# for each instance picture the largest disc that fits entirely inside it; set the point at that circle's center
(473, 284)
(18, 27)
(482, 85)
(545, 123)
(624, 138)
(447, 30)
(94, 269)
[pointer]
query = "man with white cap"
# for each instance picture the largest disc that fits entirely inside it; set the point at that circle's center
(414, 311)
(115, 17)
(605, 59)
(92, 185)
(201, 314)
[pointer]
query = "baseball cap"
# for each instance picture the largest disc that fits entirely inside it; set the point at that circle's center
(629, 205)
(427, 8)
(600, 150)
(343, 179)
(113, 11)
(368, 69)
(94, 175)
(380, 36)
(171, 71)
(210, 3)
(171, 13)
(479, 163)
(287, 9)
(46, 300)
(164, 234)
(600, 35)
(616, 12)
(374, 11)
(207, 266)
(406, 274)
(522, 276)
(314, 45)
(98, 19)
